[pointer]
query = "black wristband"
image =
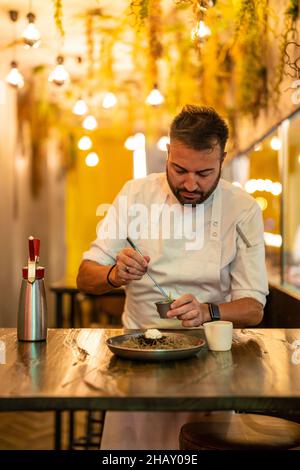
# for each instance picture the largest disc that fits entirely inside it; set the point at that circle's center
(107, 277)
(214, 312)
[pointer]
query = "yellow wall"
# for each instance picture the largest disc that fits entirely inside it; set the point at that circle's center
(87, 187)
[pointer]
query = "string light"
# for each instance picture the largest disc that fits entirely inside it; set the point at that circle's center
(257, 148)
(273, 239)
(276, 189)
(134, 142)
(262, 202)
(90, 123)
(200, 31)
(109, 100)
(85, 143)
(14, 77)
(155, 98)
(31, 35)
(269, 186)
(250, 186)
(80, 107)
(59, 76)
(92, 159)
(130, 143)
(275, 143)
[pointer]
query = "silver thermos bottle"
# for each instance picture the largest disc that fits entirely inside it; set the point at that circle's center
(32, 312)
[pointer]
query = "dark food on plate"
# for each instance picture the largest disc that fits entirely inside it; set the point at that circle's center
(170, 341)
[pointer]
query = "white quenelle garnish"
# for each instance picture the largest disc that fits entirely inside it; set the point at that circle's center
(153, 334)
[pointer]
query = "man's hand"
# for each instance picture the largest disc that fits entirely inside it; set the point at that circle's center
(189, 310)
(130, 266)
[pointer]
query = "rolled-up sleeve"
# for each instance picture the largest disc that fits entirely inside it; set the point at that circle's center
(248, 269)
(111, 231)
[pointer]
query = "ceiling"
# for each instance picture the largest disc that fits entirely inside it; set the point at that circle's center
(74, 43)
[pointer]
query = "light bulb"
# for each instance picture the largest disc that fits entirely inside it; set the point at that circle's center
(273, 239)
(200, 31)
(130, 143)
(14, 77)
(262, 202)
(268, 185)
(275, 143)
(109, 100)
(90, 123)
(80, 107)
(85, 143)
(135, 142)
(162, 143)
(257, 148)
(31, 35)
(260, 185)
(276, 188)
(59, 75)
(251, 186)
(155, 98)
(92, 159)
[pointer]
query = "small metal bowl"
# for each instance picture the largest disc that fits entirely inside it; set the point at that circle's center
(163, 307)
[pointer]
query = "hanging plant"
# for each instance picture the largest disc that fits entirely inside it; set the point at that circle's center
(58, 15)
(195, 3)
(154, 37)
(249, 51)
(90, 43)
(181, 68)
(139, 11)
(290, 32)
(42, 115)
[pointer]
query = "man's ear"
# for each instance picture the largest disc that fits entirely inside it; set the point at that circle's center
(168, 151)
(223, 157)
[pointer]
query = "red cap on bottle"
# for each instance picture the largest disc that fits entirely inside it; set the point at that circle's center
(40, 272)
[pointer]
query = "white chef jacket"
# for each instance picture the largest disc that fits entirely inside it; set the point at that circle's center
(229, 266)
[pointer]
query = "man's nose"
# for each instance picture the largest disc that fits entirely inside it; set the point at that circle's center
(190, 183)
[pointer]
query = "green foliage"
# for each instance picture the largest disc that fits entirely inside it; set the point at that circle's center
(290, 31)
(139, 9)
(249, 50)
(58, 14)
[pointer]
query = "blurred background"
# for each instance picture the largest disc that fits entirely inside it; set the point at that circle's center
(87, 92)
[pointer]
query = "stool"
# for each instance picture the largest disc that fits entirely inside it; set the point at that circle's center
(231, 431)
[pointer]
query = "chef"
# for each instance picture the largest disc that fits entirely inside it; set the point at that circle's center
(220, 273)
(214, 267)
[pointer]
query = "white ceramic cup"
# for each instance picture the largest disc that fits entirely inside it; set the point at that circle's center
(218, 335)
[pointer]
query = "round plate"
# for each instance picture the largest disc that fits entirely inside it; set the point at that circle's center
(115, 345)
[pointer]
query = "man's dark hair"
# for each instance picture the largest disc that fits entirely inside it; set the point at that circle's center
(199, 127)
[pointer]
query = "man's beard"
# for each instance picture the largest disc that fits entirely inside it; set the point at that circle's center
(202, 196)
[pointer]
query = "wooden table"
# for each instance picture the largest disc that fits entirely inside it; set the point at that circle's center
(75, 370)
